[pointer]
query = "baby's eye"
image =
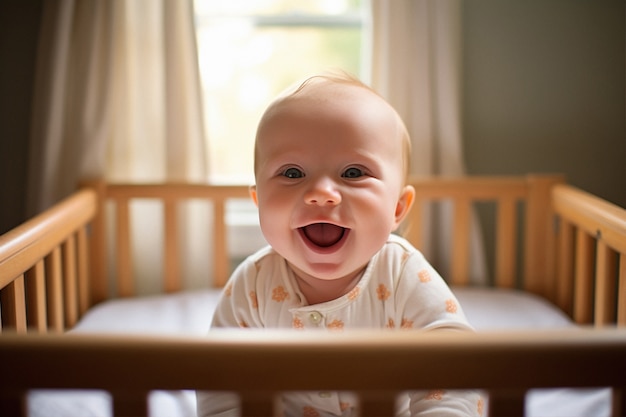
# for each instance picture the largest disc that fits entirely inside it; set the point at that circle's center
(353, 172)
(293, 173)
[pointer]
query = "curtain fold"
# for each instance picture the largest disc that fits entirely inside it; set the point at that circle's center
(417, 66)
(117, 96)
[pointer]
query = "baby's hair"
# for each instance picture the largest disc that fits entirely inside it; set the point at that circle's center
(345, 78)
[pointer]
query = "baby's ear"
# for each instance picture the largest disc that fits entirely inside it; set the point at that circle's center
(404, 204)
(253, 195)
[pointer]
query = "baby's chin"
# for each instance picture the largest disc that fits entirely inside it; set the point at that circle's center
(326, 272)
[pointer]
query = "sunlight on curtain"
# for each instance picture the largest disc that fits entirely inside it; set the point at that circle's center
(416, 66)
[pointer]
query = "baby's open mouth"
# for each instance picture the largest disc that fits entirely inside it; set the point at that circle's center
(323, 234)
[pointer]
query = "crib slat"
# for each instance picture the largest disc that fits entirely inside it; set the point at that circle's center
(509, 402)
(130, 403)
(506, 239)
(70, 284)
(98, 247)
(221, 268)
(13, 403)
(13, 299)
(460, 250)
(125, 287)
(83, 271)
(377, 403)
(54, 285)
(171, 266)
(36, 296)
(258, 404)
(621, 295)
(583, 285)
(538, 276)
(605, 285)
(565, 267)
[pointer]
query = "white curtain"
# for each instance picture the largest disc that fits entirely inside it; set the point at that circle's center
(117, 96)
(416, 66)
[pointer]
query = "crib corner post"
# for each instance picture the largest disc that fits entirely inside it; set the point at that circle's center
(98, 287)
(539, 241)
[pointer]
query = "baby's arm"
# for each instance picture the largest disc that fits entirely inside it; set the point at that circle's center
(438, 403)
(426, 301)
(235, 309)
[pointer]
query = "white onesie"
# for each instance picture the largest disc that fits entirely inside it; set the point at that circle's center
(399, 289)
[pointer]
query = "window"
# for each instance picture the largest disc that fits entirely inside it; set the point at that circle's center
(251, 50)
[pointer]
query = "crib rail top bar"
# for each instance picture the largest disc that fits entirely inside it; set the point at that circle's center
(175, 190)
(37, 237)
(229, 360)
(478, 187)
(596, 216)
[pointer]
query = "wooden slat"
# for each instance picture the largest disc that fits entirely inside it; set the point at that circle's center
(621, 294)
(583, 284)
(171, 247)
(176, 191)
(618, 403)
(13, 302)
(475, 187)
(377, 403)
(70, 281)
(13, 403)
(99, 257)
(54, 285)
(506, 243)
(605, 283)
(123, 258)
(83, 271)
(258, 403)
(537, 243)
(36, 296)
(130, 403)
(565, 267)
(460, 243)
(221, 261)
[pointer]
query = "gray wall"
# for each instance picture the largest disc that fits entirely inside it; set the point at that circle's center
(19, 31)
(544, 90)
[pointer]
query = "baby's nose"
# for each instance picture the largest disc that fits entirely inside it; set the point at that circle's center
(323, 192)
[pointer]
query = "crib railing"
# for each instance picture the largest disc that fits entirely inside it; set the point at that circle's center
(522, 224)
(591, 257)
(257, 365)
(44, 268)
(170, 195)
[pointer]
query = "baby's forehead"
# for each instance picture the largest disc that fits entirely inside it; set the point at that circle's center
(325, 99)
(323, 90)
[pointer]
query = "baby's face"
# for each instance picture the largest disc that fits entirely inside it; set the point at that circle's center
(330, 178)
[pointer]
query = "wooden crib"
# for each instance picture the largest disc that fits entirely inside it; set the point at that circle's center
(552, 240)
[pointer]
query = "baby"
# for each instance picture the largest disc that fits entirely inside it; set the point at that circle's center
(331, 167)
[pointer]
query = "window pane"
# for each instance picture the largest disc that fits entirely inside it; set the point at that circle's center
(246, 60)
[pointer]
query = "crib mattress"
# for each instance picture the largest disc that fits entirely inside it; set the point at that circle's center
(190, 313)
